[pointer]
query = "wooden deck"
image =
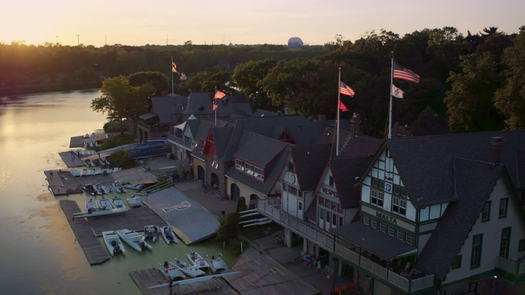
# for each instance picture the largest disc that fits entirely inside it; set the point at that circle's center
(94, 251)
(261, 274)
(71, 159)
(76, 141)
(59, 183)
(150, 277)
(134, 219)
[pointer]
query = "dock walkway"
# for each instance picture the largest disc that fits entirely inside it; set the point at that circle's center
(150, 277)
(94, 251)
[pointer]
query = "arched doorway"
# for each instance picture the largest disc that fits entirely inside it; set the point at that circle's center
(214, 181)
(235, 192)
(253, 201)
(200, 173)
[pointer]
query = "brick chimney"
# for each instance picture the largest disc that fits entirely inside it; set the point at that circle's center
(496, 147)
(355, 125)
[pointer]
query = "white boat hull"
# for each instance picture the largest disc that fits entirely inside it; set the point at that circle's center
(134, 239)
(171, 234)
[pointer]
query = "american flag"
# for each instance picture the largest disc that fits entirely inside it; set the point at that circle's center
(345, 89)
(403, 73)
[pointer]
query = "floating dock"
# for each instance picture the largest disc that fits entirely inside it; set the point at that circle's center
(94, 251)
(60, 183)
(63, 183)
(150, 277)
(87, 230)
(71, 159)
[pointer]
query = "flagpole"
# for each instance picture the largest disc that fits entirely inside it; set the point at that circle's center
(215, 123)
(338, 104)
(172, 83)
(390, 98)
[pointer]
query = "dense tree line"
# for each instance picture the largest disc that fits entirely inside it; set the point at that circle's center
(27, 68)
(474, 81)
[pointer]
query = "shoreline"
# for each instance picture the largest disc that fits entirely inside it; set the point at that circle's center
(13, 92)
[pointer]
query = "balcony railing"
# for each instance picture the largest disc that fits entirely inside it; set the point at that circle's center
(272, 209)
(512, 267)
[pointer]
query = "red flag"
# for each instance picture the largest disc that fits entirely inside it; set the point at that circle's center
(219, 94)
(345, 89)
(214, 106)
(342, 107)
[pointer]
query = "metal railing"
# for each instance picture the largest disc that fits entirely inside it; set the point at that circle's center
(510, 266)
(271, 208)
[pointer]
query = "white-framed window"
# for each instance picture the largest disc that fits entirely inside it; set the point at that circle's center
(377, 198)
(399, 205)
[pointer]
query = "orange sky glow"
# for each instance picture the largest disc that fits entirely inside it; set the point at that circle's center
(139, 22)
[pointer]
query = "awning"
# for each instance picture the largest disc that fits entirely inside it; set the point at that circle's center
(374, 241)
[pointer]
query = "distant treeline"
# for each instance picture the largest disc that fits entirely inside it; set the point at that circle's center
(27, 68)
(468, 83)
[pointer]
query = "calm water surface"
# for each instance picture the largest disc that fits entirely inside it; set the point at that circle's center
(38, 251)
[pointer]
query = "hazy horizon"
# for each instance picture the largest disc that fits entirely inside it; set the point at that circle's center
(316, 22)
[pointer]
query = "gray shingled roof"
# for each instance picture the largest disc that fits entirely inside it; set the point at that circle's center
(425, 162)
(272, 174)
(309, 160)
(374, 241)
(473, 182)
(345, 172)
(198, 103)
(302, 130)
(258, 149)
(167, 106)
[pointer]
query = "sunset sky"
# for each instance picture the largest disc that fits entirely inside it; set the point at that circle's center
(139, 22)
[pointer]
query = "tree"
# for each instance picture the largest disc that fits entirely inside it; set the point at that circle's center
(157, 79)
(229, 227)
(469, 102)
(120, 100)
(121, 159)
(247, 77)
(510, 99)
(207, 81)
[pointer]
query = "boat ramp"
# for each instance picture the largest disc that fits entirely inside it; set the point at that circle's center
(189, 219)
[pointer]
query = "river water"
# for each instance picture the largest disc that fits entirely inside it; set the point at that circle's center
(38, 251)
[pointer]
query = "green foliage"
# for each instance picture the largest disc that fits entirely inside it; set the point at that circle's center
(115, 126)
(57, 67)
(470, 102)
(248, 76)
(157, 79)
(115, 141)
(121, 159)
(229, 228)
(207, 81)
(120, 100)
(510, 99)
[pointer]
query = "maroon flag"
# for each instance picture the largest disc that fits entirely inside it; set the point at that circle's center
(403, 73)
(345, 89)
(214, 106)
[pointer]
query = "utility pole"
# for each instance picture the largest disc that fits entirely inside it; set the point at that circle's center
(105, 40)
(78, 40)
(167, 40)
